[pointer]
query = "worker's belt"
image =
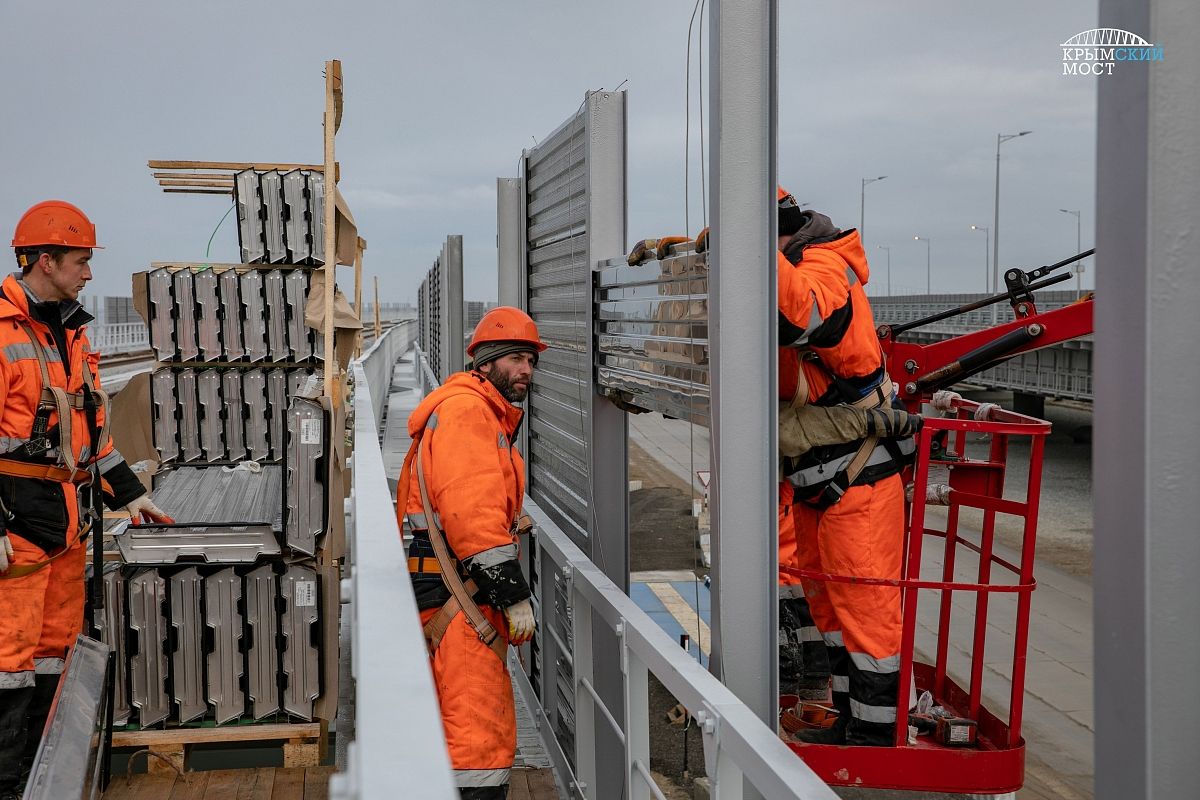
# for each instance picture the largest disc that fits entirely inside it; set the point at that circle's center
(426, 565)
(76, 400)
(42, 472)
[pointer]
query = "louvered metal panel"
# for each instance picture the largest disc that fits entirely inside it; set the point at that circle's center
(189, 415)
(113, 634)
(254, 396)
(247, 195)
(295, 201)
(233, 414)
(262, 601)
(223, 616)
(276, 315)
(148, 662)
(185, 310)
(212, 433)
(299, 623)
(271, 184)
(162, 314)
(254, 331)
(166, 420)
(187, 656)
(208, 315)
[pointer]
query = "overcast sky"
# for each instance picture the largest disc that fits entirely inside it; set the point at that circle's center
(441, 98)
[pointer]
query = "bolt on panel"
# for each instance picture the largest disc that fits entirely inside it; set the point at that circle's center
(189, 415)
(299, 335)
(165, 410)
(254, 331)
(148, 664)
(261, 621)
(271, 185)
(277, 396)
(233, 414)
(187, 656)
(296, 212)
(254, 395)
(223, 617)
(276, 315)
(304, 519)
(247, 195)
(231, 315)
(208, 389)
(301, 658)
(208, 315)
(162, 319)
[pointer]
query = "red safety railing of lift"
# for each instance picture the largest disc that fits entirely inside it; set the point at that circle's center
(995, 762)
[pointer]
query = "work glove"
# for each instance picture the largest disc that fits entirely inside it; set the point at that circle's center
(6, 553)
(702, 241)
(890, 423)
(520, 622)
(945, 400)
(649, 249)
(143, 510)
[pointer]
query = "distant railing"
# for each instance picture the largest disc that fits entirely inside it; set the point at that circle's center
(123, 337)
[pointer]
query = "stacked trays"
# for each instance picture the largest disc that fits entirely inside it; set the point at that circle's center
(281, 216)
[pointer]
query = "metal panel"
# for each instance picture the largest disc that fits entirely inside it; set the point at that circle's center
(510, 240)
(112, 633)
(452, 308)
(246, 498)
(305, 482)
(148, 662)
(222, 601)
(316, 213)
(187, 657)
(299, 623)
(166, 421)
(277, 397)
(247, 195)
(189, 415)
(271, 184)
(212, 543)
(208, 315)
(262, 649)
(208, 391)
(233, 414)
(254, 396)
(231, 315)
(185, 311)
(276, 315)
(162, 310)
(295, 203)
(299, 335)
(254, 314)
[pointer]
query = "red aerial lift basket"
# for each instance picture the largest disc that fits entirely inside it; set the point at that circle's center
(996, 763)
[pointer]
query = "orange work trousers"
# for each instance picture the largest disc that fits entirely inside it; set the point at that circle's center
(475, 695)
(41, 613)
(788, 556)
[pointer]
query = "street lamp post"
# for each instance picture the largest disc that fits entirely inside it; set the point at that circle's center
(889, 269)
(1078, 248)
(928, 270)
(987, 269)
(1001, 138)
(862, 206)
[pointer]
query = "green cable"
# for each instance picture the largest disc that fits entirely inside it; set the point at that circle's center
(214, 233)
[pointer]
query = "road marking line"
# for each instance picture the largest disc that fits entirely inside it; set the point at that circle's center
(684, 614)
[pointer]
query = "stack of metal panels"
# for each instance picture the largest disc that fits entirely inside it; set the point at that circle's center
(652, 334)
(281, 216)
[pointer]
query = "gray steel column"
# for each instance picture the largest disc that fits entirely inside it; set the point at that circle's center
(452, 310)
(607, 432)
(743, 340)
(510, 241)
(1148, 289)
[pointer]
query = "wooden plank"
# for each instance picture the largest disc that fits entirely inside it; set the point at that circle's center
(223, 784)
(233, 733)
(141, 787)
(214, 182)
(518, 785)
(289, 784)
(198, 191)
(198, 175)
(301, 754)
(231, 165)
(333, 75)
(257, 784)
(541, 784)
(191, 786)
(316, 783)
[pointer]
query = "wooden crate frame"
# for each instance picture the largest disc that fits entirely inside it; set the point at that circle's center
(305, 744)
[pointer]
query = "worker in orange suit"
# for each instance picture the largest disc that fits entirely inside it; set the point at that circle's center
(463, 452)
(849, 499)
(803, 662)
(54, 445)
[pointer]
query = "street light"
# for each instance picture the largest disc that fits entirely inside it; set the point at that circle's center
(862, 206)
(987, 270)
(928, 271)
(1078, 248)
(889, 268)
(1001, 138)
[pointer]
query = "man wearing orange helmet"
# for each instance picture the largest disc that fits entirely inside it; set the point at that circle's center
(54, 451)
(461, 489)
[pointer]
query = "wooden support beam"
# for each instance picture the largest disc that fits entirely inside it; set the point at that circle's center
(198, 190)
(358, 259)
(212, 183)
(333, 91)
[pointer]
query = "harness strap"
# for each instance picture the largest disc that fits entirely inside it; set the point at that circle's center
(44, 472)
(61, 402)
(836, 488)
(105, 404)
(21, 570)
(439, 623)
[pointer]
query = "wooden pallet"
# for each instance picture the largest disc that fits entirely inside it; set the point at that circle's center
(304, 744)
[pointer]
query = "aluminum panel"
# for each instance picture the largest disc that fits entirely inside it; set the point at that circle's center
(295, 204)
(299, 623)
(208, 391)
(223, 618)
(304, 519)
(247, 195)
(271, 184)
(277, 397)
(316, 215)
(262, 608)
(296, 380)
(148, 662)
(187, 656)
(254, 329)
(189, 415)
(299, 335)
(112, 633)
(208, 315)
(276, 316)
(254, 395)
(162, 314)
(185, 310)
(165, 410)
(233, 414)
(210, 543)
(231, 315)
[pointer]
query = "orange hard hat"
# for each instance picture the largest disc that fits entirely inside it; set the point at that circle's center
(56, 223)
(782, 193)
(506, 324)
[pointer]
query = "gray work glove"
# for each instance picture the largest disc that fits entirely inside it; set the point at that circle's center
(520, 622)
(6, 553)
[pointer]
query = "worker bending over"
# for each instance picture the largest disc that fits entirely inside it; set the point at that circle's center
(54, 453)
(461, 489)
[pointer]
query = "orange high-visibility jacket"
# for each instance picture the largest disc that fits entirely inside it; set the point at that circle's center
(45, 511)
(474, 474)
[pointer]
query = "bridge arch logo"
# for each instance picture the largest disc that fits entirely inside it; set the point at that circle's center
(1099, 50)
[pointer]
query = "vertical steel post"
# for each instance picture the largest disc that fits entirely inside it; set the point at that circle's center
(1147, 655)
(453, 345)
(743, 340)
(510, 241)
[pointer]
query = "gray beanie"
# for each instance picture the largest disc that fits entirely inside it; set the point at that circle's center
(490, 351)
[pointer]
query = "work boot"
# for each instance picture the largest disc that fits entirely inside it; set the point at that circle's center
(39, 711)
(483, 792)
(834, 734)
(14, 708)
(791, 649)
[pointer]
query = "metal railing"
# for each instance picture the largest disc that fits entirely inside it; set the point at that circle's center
(394, 694)
(124, 337)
